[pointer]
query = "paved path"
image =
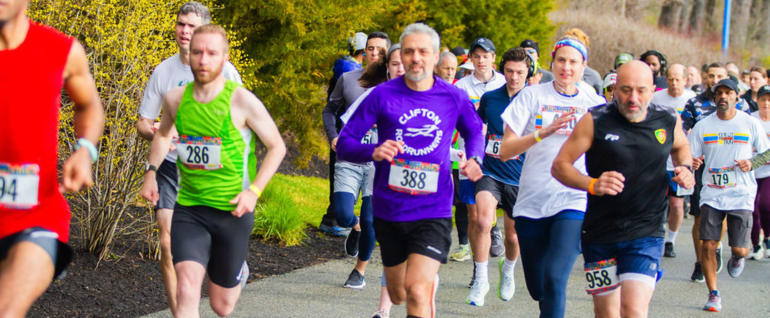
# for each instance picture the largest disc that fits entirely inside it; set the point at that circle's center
(316, 291)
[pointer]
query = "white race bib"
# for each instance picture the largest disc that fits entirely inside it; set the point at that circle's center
(493, 146)
(413, 177)
(720, 178)
(19, 185)
(548, 114)
(681, 191)
(371, 137)
(200, 152)
(602, 276)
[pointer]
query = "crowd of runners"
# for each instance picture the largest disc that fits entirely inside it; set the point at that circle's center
(606, 168)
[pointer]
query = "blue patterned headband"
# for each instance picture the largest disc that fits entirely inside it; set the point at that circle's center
(572, 43)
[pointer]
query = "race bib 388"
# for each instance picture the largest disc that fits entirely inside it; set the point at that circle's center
(413, 177)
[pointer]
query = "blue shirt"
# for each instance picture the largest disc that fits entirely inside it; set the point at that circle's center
(491, 107)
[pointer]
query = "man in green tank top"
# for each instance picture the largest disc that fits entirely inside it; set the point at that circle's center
(218, 122)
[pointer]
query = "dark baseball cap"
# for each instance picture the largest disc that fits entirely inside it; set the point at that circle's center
(727, 83)
(458, 51)
(484, 43)
(529, 43)
(763, 90)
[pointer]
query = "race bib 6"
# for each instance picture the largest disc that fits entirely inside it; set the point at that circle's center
(493, 146)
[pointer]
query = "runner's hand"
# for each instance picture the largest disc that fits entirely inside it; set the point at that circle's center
(557, 124)
(388, 150)
(610, 182)
(245, 202)
(76, 172)
(150, 188)
(745, 165)
(684, 177)
(334, 143)
(469, 168)
(697, 162)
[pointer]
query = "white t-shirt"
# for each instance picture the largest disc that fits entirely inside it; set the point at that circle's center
(475, 89)
(169, 74)
(664, 99)
(763, 171)
(540, 195)
(725, 186)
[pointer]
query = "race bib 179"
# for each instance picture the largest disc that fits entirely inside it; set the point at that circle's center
(602, 276)
(548, 114)
(200, 152)
(413, 177)
(19, 185)
(720, 178)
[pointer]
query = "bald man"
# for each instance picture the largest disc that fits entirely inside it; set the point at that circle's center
(674, 97)
(626, 144)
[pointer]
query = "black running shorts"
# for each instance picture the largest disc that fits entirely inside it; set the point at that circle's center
(428, 237)
(60, 253)
(213, 238)
(504, 193)
(168, 184)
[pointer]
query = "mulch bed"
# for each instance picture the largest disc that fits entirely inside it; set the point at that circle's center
(131, 285)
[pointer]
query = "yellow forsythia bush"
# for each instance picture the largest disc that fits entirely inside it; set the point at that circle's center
(124, 41)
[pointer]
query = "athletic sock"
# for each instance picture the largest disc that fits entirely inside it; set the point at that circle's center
(671, 236)
(508, 266)
(482, 272)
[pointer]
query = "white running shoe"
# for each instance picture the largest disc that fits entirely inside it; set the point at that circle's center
(478, 294)
(506, 286)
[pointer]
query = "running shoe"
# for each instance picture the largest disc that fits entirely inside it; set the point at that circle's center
(505, 286)
(757, 253)
(334, 229)
(473, 277)
(355, 280)
(735, 266)
(244, 275)
(767, 248)
(719, 258)
(351, 243)
(669, 250)
(462, 254)
(382, 313)
(496, 248)
(478, 294)
(697, 274)
(715, 302)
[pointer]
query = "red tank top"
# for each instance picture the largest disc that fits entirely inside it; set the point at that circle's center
(31, 79)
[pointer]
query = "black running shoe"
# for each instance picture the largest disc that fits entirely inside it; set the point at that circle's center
(351, 243)
(355, 280)
(496, 248)
(697, 274)
(669, 250)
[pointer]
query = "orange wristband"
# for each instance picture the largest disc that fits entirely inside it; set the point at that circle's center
(591, 186)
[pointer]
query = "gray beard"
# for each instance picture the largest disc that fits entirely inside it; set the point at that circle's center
(416, 78)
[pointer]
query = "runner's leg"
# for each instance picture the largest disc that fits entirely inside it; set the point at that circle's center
(420, 275)
(635, 298)
(167, 272)
(533, 241)
(189, 280)
(395, 276)
(481, 218)
(563, 249)
(607, 305)
(25, 274)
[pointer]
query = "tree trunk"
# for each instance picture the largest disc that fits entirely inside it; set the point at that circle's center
(756, 20)
(764, 29)
(683, 16)
(669, 14)
(697, 14)
(739, 23)
(710, 24)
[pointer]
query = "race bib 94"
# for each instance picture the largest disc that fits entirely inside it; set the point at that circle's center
(413, 177)
(602, 276)
(19, 185)
(200, 152)
(548, 114)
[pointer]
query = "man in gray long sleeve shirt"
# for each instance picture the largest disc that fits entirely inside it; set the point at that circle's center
(345, 93)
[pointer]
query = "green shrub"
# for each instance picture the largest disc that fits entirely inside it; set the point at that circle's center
(277, 216)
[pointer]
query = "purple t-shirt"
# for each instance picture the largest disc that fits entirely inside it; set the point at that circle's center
(418, 183)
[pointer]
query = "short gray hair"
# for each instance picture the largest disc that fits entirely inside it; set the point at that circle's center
(422, 28)
(447, 55)
(197, 8)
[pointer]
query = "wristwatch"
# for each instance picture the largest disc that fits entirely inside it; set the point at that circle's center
(477, 158)
(148, 167)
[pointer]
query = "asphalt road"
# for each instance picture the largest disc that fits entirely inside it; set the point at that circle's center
(317, 291)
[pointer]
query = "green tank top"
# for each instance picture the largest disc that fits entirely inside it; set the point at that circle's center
(216, 160)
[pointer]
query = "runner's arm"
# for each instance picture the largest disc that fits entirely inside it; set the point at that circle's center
(471, 128)
(681, 156)
(161, 140)
(760, 159)
(329, 113)
(349, 147)
(260, 121)
(577, 144)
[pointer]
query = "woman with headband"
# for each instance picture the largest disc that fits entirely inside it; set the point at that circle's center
(548, 215)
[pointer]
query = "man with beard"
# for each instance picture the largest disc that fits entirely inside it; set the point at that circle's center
(415, 115)
(172, 72)
(657, 62)
(695, 110)
(626, 144)
(729, 192)
(218, 122)
(36, 62)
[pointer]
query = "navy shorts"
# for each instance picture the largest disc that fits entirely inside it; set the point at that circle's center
(634, 257)
(467, 191)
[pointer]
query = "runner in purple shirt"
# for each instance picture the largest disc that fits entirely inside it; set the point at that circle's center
(415, 116)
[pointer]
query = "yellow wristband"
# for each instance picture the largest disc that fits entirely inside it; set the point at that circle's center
(537, 136)
(256, 190)
(591, 186)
